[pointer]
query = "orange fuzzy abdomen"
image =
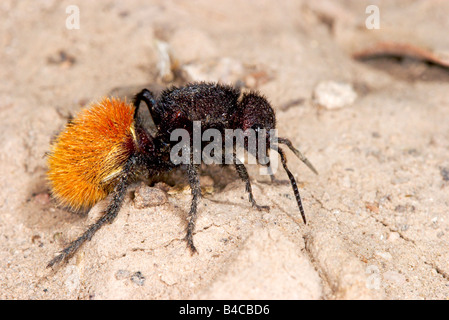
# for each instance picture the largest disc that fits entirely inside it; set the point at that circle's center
(90, 153)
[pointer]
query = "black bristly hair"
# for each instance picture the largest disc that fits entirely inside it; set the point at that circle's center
(214, 105)
(221, 107)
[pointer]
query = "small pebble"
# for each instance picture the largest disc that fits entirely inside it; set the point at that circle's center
(394, 277)
(42, 198)
(384, 255)
(138, 278)
(444, 173)
(393, 236)
(334, 95)
(122, 274)
(146, 196)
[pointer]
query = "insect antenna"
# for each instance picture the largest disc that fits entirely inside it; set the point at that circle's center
(293, 183)
(298, 153)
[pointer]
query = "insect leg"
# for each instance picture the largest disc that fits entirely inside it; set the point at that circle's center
(109, 215)
(146, 96)
(192, 172)
(243, 174)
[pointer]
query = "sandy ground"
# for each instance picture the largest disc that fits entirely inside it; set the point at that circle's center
(378, 221)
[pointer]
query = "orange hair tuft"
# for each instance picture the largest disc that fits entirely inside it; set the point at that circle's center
(90, 153)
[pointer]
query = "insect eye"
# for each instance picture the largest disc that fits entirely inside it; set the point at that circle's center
(257, 127)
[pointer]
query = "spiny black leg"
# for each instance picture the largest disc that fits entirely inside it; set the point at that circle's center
(293, 183)
(270, 172)
(243, 174)
(192, 172)
(146, 96)
(297, 153)
(109, 215)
